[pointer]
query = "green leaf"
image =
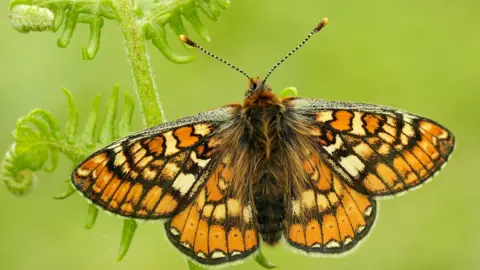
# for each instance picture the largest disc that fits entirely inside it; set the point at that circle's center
(129, 227)
(72, 122)
(157, 35)
(70, 25)
(289, 92)
(88, 135)
(96, 24)
(91, 216)
(224, 3)
(263, 261)
(67, 193)
(125, 124)
(107, 133)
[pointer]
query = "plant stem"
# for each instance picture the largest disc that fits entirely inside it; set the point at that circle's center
(133, 34)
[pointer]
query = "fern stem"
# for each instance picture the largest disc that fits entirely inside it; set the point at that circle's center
(137, 55)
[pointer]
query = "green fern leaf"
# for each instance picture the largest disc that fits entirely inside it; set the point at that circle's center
(154, 16)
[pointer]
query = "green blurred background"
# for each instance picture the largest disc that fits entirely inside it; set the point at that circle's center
(421, 56)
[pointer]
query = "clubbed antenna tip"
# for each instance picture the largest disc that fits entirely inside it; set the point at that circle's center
(321, 24)
(186, 40)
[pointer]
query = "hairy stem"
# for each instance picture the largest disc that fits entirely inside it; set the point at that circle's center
(133, 34)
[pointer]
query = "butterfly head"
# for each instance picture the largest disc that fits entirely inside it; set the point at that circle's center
(259, 94)
(256, 85)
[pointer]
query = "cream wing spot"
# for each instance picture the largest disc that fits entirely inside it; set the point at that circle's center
(170, 143)
(322, 202)
(247, 214)
(183, 183)
(149, 174)
(144, 162)
(386, 137)
(333, 244)
(324, 116)
(308, 199)
(353, 165)
(368, 211)
(200, 162)
(357, 124)
(364, 150)
(201, 129)
(170, 170)
(390, 130)
(233, 207)
(384, 149)
(218, 254)
(174, 231)
(219, 212)
(135, 147)
(347, 241)
(408, 130)
(120, 159)
(333, 147)
(207, 210)
(126, 169)
(333, 198)
(83, 172)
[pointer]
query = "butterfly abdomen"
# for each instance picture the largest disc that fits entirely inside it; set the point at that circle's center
(270, 210)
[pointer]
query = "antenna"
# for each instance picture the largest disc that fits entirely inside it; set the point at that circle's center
(193, 44)
(317, 29)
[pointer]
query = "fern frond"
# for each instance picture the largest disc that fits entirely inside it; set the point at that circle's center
(154, 16)
(38, 141)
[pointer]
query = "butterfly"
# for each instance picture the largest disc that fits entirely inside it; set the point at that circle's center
(306, 170)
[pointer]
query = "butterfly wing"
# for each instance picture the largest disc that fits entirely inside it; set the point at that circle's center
(217, 227)
(328, 217)
(156, 172)
(376, 150)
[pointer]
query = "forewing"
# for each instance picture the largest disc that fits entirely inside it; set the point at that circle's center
(375, 149)
(328, 217)
(217, 227)
(153, 173)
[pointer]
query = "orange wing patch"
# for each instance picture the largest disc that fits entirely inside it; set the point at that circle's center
(342, 120)
(215, 228)
(333, 217)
